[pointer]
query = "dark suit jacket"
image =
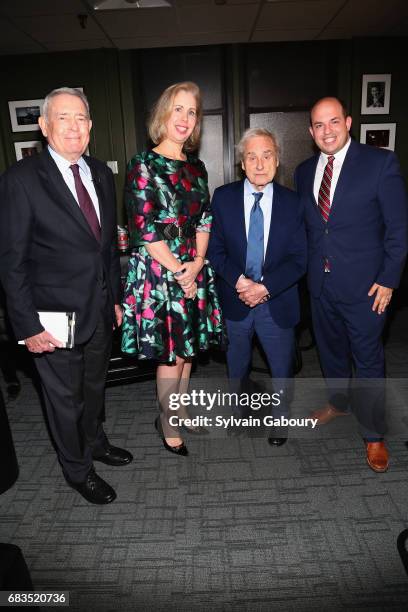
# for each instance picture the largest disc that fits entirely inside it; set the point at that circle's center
(366, 236)
(285, 259)
(49, 258)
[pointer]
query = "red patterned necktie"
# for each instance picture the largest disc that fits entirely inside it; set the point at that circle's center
(85, 203)
(323, 199)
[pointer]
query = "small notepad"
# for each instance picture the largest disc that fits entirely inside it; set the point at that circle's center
(61, 325)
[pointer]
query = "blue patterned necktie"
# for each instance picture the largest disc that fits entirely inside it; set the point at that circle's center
(255, 248)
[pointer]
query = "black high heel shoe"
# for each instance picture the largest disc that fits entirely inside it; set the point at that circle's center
(181, 449)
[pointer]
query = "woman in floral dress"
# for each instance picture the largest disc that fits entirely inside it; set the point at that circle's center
(171, 309)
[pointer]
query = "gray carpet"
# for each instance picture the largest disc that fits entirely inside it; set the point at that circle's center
(237, 526)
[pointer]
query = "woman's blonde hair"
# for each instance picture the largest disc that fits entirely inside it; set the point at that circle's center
(162, 110)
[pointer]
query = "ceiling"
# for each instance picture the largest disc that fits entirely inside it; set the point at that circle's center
(38, 26)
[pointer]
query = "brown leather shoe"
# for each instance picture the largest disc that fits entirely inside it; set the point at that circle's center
(377, 456)
(326, 414)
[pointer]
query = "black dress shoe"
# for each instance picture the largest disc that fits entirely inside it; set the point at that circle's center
(94, 489)
(277, 441)
(114, 456)
(181, 449)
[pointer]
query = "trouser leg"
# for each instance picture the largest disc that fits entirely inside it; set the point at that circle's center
(364, 328)
(279, 346)
(73, 388)
(239, 354)
(333, 347)
(61, 380)
(96, 361)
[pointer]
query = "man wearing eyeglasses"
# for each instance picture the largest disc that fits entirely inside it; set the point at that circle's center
(258, 250)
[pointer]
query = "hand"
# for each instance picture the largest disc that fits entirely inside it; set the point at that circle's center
(43, 342)
(254, 295)
(382, 298)
(191, 269)
(243, 283)
(118, 314)
(191, 291)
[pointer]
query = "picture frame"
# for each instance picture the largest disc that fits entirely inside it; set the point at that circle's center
(24, 115)
(27, 148)
(375, 94)
(378, 135)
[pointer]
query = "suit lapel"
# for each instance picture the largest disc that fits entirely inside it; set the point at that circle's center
(276, 224)
(310, 186)
(97, 181)
(60, 191)
(344, 177)
(240, 220)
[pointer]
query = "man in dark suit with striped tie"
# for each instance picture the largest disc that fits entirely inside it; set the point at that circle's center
(258, 250)
(356, 219)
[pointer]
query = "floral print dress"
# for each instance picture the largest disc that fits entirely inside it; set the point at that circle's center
(159, 322)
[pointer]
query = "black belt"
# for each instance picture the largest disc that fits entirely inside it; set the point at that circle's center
(171, 231)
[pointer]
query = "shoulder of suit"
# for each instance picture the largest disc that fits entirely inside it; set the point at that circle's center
(229, 188)
(24, 166)
(373, 153)
(307, 163)
(285, 191)
(97, 164)
(286, 194)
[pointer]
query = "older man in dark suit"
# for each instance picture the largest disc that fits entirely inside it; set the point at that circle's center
(258, 250)
(58, 253)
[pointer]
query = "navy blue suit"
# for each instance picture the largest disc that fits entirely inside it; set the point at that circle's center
(365, 241)
(284, 265)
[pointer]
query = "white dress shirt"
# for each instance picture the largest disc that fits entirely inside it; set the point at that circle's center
(85, 174)
(265, 204)
(337, 165)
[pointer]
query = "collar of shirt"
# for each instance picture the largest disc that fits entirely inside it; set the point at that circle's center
(338, 157)
(266, 200)
(64, 165)
(337, 166)
(85, 174)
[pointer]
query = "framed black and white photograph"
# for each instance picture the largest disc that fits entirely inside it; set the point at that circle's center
(27, 148)
(378, 135)
(375, 94)
(24, 115)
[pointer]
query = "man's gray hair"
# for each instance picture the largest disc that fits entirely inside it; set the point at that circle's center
(251, 133)
(64, 90)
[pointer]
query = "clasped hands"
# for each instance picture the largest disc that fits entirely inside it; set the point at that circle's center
(250, 292)
(186, 278)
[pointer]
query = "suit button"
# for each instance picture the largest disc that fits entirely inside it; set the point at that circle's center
(326, 231)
